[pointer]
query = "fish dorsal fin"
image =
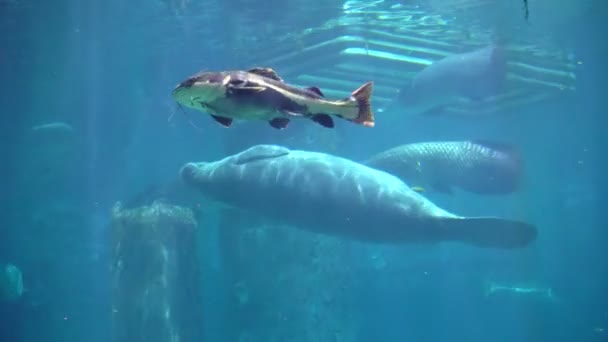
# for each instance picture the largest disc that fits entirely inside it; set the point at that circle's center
(266, 72)
(316, 90)
(260, 152)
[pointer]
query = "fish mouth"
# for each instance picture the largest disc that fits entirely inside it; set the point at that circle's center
(189, 91)
(198, 90)
(188, 101)
(180, 95)
(179, 89)
(195, 92)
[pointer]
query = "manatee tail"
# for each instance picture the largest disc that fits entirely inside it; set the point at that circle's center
(362, 96)
(489, 231)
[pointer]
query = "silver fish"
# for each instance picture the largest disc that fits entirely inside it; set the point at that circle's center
(260, 94)
(480, 167)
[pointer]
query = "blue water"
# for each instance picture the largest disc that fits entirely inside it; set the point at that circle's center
(107, 69)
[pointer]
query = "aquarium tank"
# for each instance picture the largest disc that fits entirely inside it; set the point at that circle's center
(290, 170)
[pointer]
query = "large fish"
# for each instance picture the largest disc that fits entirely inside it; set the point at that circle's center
(336, 196)
(260, 94)
(474, 75)
(481, 167)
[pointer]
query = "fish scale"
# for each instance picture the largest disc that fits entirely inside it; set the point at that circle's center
(477, 166)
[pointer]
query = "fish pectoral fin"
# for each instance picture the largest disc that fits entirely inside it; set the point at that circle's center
(315, 90)
(279, 123)
(226, 122)
(266, 72)
(324, 120)
(442, 187)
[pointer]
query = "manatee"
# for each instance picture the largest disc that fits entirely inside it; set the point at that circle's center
(335, 196)
(474, 75)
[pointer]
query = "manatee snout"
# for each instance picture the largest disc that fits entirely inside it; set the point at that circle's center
(188, 173)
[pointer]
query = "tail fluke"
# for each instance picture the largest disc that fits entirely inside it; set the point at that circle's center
(489, 232)
(362, 95)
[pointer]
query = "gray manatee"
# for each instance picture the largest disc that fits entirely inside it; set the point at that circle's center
(473, 75)
(336, 196)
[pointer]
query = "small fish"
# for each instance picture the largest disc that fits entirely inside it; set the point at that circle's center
(481, 167)
(418, 189)
(260, 94)
(541, 292)
(54, 126)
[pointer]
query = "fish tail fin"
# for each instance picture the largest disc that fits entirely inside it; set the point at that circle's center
(362, 96)
(511, 157)
(489, 232)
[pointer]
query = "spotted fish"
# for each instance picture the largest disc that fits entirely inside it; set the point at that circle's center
(260, 94)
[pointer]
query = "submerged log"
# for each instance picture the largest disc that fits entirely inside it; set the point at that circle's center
(156, 283)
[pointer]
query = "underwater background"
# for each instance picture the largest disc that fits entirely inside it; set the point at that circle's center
(88, 121)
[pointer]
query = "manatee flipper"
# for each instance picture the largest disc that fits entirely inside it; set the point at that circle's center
(261, 152)
(488, 231)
